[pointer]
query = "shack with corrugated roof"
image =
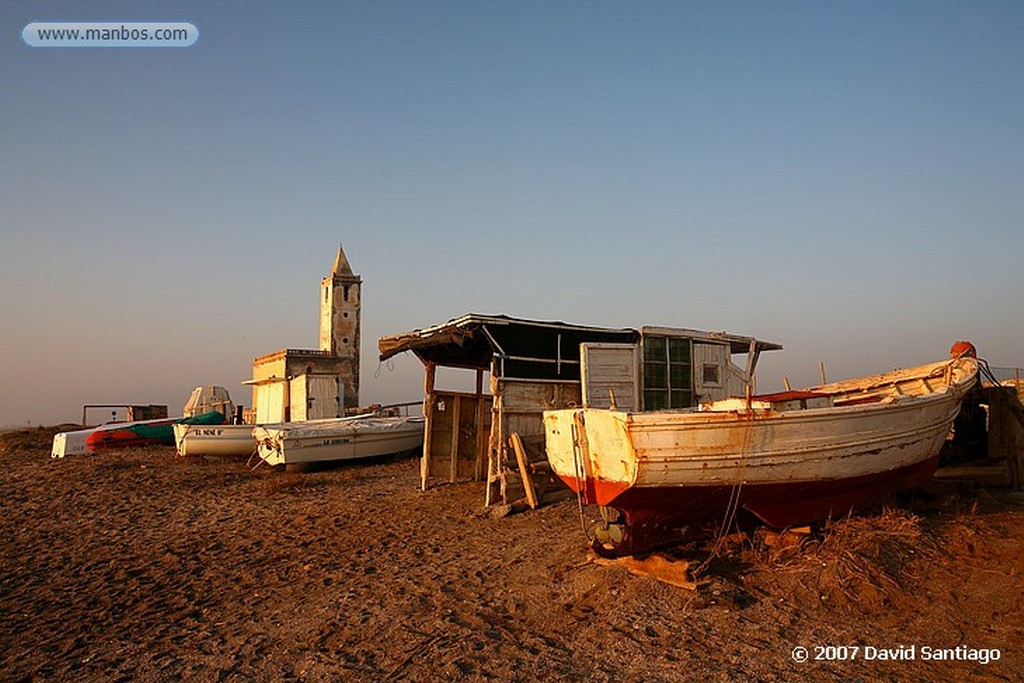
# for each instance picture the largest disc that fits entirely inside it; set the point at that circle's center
(535, 366)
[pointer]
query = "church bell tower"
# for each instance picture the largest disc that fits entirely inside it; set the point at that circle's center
(339, 322)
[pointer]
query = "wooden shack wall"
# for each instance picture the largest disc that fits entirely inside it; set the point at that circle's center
(454, 451)
(456, 431)
(523, 404)
(519, 408)
(1006, 432)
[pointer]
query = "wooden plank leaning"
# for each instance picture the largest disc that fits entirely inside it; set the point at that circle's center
(524, 469)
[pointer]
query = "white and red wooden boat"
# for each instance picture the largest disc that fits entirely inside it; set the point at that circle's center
(785, 459)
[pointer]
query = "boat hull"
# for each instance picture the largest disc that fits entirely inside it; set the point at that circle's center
(655, 516)
(222, 441)
(336, 440)
(70, 443)
(681, 475)
(145, 433)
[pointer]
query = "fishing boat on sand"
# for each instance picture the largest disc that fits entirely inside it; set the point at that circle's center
(223, 441)
(348, 438)
(784, 459)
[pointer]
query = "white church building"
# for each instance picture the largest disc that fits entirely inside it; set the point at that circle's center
(293, 385)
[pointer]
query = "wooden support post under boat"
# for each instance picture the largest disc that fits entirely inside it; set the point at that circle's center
(524, 469)
(429, 372)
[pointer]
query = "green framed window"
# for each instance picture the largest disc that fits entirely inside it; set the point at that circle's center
(668, 372)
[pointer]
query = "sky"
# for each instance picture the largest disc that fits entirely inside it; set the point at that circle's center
(843, 178)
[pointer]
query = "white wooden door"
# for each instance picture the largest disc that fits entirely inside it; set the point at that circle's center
(323, 397)
(298, 399)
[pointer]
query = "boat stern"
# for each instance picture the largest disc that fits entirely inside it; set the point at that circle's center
(590, 449)
(269, 444)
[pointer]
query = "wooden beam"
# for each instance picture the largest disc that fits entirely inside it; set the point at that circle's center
(752, 356)
(992, 475)
(524, 469)
(429, 373)
(481, 435)
(672, 572)
(493, 448)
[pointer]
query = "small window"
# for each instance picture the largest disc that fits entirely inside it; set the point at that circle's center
(711, 374)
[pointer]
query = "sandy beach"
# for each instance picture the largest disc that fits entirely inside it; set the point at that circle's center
(142, 565)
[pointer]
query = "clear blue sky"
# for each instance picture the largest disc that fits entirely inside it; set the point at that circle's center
(845, 178)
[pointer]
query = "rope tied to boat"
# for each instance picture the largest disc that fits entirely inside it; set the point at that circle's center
(733, 506)
(580, 469)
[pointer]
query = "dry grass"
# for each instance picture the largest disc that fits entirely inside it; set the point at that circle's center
(858, 559)
(878, 550)
(32, 438)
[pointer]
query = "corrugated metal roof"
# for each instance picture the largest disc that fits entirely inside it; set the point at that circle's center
(473, 340)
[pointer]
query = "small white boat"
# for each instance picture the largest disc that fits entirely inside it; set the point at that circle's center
(225, 441)
(349, 438)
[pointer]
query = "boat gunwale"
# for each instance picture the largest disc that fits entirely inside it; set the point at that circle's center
(952, 390)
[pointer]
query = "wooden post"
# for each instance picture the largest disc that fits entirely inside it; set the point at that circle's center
(494, 446)
(481, 436)
(752, 355)
(1018, 441)
(499, 452)
(821, 368)
(429, 372)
